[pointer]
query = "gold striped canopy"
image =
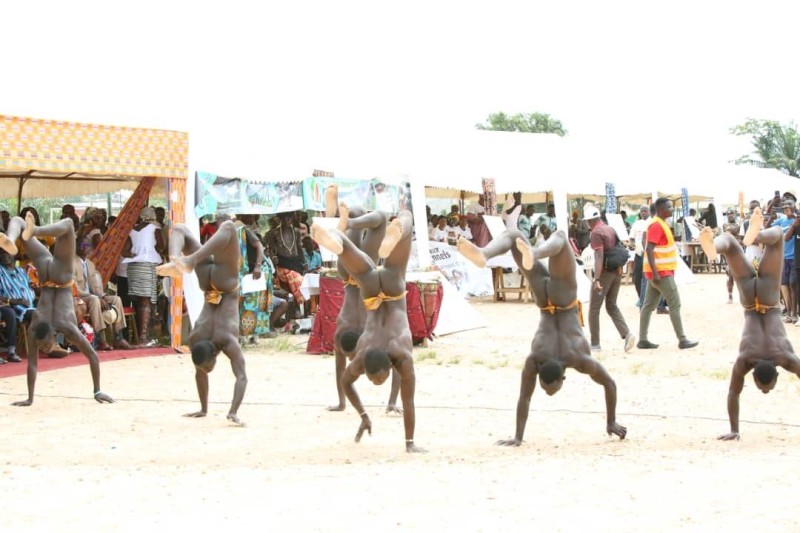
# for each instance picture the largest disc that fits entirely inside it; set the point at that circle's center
(56, 158)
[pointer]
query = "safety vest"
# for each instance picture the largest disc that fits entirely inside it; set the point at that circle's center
(666, 256)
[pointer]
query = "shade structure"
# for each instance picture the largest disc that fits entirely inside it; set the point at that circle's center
(56, 158)
(47, 158)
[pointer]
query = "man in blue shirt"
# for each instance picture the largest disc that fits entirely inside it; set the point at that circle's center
(313, 257)
(788, 278)
(16, 299)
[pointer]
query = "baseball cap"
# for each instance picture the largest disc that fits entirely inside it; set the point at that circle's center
(590, 212)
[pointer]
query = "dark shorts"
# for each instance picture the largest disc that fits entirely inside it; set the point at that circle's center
(789, 275)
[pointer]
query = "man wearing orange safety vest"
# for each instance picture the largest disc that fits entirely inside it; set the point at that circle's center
(659, 269)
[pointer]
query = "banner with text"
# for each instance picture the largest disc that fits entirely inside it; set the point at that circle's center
(466, 277)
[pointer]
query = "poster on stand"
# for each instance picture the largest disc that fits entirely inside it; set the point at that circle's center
(468, 279)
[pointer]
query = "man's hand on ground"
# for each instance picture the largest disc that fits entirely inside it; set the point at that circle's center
(366, 425)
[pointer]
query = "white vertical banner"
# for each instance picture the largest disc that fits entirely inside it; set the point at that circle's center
(191, 288)
(420, 222)
(562, 209)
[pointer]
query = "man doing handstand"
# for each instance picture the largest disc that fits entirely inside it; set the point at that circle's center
(764, 344)
(217, 329)
(386, 340)
(54, 311)
(365, 231)
(559, 342)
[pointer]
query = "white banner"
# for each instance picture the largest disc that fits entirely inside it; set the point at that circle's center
(468, 279)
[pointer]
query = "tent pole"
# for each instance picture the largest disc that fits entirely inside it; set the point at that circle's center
(22, 180)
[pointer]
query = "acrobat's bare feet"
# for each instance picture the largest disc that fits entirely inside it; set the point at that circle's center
(176, 268)
(8, 245)
(331, 241)
(706, 239)
(527, 253)
(30, 225)
(394, 232)
(331, 198)
(756, 225)
(472, 252)
(344, 216)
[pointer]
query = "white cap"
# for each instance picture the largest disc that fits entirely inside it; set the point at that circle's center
(590, 212)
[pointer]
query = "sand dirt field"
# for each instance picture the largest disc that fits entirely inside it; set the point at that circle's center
(69, 464)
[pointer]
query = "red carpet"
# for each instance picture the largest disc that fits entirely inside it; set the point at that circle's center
(74, 359)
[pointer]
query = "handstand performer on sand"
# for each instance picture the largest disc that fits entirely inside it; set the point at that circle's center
(55, 310)
(365, 231)
(764, 344)
(559, 342)
(217, 330)
(386, 340)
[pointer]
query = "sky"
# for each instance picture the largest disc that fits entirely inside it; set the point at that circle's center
(257, 84)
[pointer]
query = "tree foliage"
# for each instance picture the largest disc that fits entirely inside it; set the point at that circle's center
(776, 145)
(524, 122)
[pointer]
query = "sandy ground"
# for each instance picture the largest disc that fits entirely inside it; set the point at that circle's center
(70, 464)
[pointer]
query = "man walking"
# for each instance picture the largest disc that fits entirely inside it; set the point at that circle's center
(607, 280)
(659, 269)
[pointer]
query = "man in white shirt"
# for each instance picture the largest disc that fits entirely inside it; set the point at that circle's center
(752, 251)
(638, 230)
(513, 209)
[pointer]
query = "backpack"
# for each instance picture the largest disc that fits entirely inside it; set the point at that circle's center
(616, 257)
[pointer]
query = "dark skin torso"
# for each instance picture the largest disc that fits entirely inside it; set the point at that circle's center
(559, 336)
(764, 334)
(218, 323)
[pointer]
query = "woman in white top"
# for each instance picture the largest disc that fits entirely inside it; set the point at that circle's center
(142, 253)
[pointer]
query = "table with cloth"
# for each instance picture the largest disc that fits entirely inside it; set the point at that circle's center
(423, 301)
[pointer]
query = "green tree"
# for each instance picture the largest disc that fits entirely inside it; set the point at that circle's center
(776, 145)
(525, 122)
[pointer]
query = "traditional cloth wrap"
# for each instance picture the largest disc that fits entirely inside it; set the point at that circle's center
(550, 308)
(214, 295)
(375, 302)
(758, 307)
(54, 285)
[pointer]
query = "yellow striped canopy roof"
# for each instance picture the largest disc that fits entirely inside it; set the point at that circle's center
(54, 154)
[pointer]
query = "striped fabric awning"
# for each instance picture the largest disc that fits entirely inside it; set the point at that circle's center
(49, 153)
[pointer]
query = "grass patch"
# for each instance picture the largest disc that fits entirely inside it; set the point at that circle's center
(478, 362)
(281, 344)
(454, 360)
(719, 374)
(427, 355)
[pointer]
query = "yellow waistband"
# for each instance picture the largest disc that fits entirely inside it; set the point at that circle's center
(351, 281)
(550, 308)
(375, 302)
(54, 285)
(214, 295)
(758, 307)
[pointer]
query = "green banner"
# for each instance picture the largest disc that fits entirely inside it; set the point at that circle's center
(219, 195)
(369, 194)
